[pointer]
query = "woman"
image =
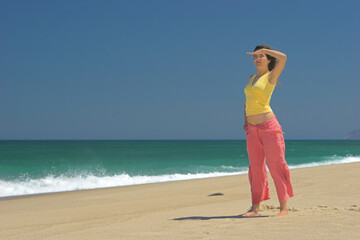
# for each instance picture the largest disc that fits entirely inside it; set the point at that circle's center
(264, 137)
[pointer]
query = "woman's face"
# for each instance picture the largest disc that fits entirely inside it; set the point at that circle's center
(260, 60)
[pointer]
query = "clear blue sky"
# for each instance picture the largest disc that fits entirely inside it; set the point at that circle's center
(173, 69)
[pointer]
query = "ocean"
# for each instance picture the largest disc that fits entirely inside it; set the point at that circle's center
(33, 167)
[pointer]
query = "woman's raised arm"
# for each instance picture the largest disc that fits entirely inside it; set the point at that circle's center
(280, 64)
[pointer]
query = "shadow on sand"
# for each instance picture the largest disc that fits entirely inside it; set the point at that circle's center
(217, 217)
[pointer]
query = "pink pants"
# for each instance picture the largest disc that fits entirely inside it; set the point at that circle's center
(266, 141)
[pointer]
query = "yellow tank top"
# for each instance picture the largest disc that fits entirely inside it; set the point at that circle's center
(258, 96)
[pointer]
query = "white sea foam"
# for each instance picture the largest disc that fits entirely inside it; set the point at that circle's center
(89, 181)
(62, 183)
(330, 160)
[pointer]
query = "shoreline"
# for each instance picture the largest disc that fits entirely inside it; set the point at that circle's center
(301, 166)
(184, 210)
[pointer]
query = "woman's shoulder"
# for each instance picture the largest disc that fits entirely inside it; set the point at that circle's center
(252, 75)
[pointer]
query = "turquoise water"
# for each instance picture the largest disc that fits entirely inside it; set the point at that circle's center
(28, 167)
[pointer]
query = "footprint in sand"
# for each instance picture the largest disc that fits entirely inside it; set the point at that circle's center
(265, 207)
(292, 209)
(354, 208)
(321, 206)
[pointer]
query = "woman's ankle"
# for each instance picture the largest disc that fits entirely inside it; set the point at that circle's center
(283, 206)
(255, 208)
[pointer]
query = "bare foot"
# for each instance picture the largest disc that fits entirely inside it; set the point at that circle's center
(254, 211)
(282, 213)
(251, 214)
(283, 209)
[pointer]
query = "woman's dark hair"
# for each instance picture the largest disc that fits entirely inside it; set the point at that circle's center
(272, 62)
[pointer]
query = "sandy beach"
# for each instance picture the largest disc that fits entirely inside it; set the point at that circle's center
(326, 206)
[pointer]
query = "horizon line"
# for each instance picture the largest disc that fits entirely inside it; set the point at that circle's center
(169, 139)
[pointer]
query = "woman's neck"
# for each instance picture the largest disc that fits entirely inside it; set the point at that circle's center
(262, 71)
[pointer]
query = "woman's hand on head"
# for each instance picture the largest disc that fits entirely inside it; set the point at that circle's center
(259, 51)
